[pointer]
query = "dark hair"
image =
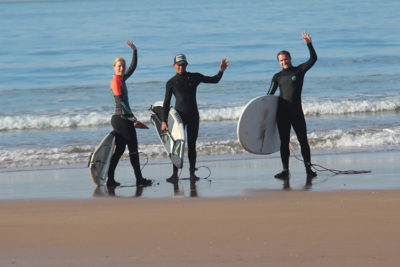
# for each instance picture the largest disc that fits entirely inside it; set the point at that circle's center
(283, 52)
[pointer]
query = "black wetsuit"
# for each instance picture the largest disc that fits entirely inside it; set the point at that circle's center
(123, 126)
(184, 87)
(290, 111)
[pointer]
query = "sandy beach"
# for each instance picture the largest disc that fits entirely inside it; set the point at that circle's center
(242, 217)
(353, 228)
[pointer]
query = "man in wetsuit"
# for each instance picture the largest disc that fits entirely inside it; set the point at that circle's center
(290, 112)
(184, 87)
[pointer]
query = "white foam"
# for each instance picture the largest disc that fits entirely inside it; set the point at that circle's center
(330, 107)
(311, 107)
(25, 122)
(324, 140)
(341, 139)
(221, 114)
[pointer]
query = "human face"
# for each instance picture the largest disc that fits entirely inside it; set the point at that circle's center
(285, 61)
(180, 68)
(119, 68)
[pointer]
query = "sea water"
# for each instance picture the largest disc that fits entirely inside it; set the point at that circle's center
(56, 65)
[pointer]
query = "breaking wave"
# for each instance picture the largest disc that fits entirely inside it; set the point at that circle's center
(323, 140)
(96, 118)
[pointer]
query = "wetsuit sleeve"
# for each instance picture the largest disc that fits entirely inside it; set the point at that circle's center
(273, 86)
(210, 79)
(132, 67)
(116, 85)
(313, 58)
(167, 101)
(126, 108)
(117, 93)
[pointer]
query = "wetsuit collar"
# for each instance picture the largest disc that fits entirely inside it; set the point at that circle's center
(291, 67)
(183, 74)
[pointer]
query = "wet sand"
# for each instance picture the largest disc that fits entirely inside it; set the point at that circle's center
(242, 217)
(231, 176)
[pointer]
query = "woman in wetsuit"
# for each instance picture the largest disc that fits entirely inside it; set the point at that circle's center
(290, 112)
(184, 87)
(123, 121)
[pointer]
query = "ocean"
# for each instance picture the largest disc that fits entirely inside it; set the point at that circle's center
(56, 65)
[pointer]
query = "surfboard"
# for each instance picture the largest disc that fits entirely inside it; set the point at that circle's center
(100, 159)
(173, 140)
(257, 130)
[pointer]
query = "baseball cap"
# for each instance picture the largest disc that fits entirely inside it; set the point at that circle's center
(180, 59)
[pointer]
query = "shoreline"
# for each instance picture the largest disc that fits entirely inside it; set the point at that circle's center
(200, 159)
(230, 176)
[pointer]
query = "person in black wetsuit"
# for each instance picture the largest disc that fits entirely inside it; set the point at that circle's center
(290, 112)
(123, 121)
(184, 87)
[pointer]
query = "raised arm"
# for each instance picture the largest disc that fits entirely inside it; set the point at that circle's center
(216, 78)
(313, 55)
(133, 65)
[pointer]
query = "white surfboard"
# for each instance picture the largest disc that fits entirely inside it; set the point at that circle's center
(100, 159)
(257, 130)
(174, 139)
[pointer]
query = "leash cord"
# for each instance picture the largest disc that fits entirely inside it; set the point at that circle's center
(317, 167)
(147, 160)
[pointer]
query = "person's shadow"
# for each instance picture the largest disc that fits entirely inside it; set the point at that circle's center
(286, 183)
(308, 184)
(109, 191)
(193, 189)
(178, 192)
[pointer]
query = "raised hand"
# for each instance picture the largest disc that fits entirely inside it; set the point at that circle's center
(131, 45)
(306, 37)
(224, 64)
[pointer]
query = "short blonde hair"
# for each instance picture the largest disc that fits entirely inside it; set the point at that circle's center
(119, 59)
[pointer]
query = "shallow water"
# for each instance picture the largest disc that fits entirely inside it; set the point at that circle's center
(230, 177)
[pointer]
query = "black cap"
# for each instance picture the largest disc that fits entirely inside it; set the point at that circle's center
(180, 59)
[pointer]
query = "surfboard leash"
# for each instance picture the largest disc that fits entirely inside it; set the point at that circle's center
(209, 173)
(180, 172)
(319, 168)
(205, 178)
(147, 160)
